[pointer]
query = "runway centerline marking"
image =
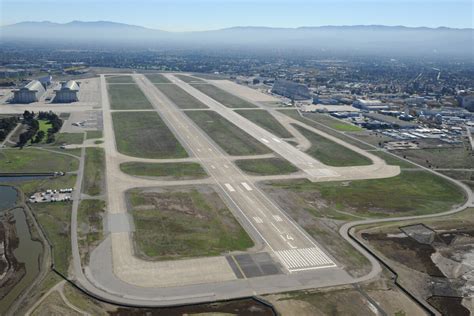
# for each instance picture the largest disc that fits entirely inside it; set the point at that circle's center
(277, 218)
(277, 229)
(276, 140)
(229, 187)
(264, 140)
(246, 186)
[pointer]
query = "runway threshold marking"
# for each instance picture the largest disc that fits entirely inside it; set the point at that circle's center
(246, 186)
(229, 187)
(304, 259)
(258, 220)
(277, 218)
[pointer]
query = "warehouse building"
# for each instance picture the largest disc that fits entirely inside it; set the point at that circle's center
(32, 92)
(67, 93)
(291, 90)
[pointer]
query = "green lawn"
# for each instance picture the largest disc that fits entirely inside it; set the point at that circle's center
(228, 136)
(184, 222)
(410, 193)
(69, 138)
(176, 171)
(266, 166)
(35, 160)
(157, 78)
(94, 178)
(265, 120)
(189, 79)
(333, 122)
(331, 153)
(94, 134)
(181, 98)
(223, 97)
(127, 97)
(144, 134)
(89, 219)
(119, 79)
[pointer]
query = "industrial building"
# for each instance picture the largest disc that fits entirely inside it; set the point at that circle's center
(291, 90)
(67, 93)
(32, 92)
(369, 105)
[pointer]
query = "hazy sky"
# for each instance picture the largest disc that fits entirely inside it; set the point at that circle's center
(179, 15)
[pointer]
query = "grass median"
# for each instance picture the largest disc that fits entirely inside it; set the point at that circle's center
(227, 99)
(228, 136)
(266, 166)
(145, 135)
(89, 219)
(331, 153)
(94, 172)
(157, 78)
(265, 120)
(119, 79)
(183, 222)
(181, 98)
(172, 170)
(127, 97)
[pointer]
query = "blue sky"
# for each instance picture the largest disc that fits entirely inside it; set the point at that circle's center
(185, 15)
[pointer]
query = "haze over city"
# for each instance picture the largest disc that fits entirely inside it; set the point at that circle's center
(244, 158)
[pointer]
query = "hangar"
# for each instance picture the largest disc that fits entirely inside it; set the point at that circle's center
(29, 93)
(67, 93)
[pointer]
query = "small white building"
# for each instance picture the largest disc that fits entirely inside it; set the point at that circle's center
(369, 105)
(67, 93)
(32, 92)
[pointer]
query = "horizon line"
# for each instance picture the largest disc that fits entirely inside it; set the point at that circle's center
(244, 26)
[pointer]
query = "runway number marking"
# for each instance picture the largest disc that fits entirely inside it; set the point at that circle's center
(258, 220)
(277, 218)
(226, 166)
(229, 187)
(213, 167)
(264, 140)
(246, 186)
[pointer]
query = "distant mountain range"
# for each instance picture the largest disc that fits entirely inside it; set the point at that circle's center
(348, 39)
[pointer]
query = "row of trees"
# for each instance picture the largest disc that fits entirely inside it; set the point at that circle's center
(7, 124)
(33, 133)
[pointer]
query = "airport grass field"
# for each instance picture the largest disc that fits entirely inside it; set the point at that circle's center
(55, 219)
(295, 115)
(94, 168)
(265, 120)
(157, 78)
(228, 136)
(145, 135)
(223, 97)
(410, 193)
(332, 122)
(69, 138)
(192, 222)
(175, 171)
(266, 166)
(452, 158)
(331, 153)
(189, 79)
(94, 134)
(119, 79)
(35, 160)
(89, 218)
(127, 97)
(180, 97)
